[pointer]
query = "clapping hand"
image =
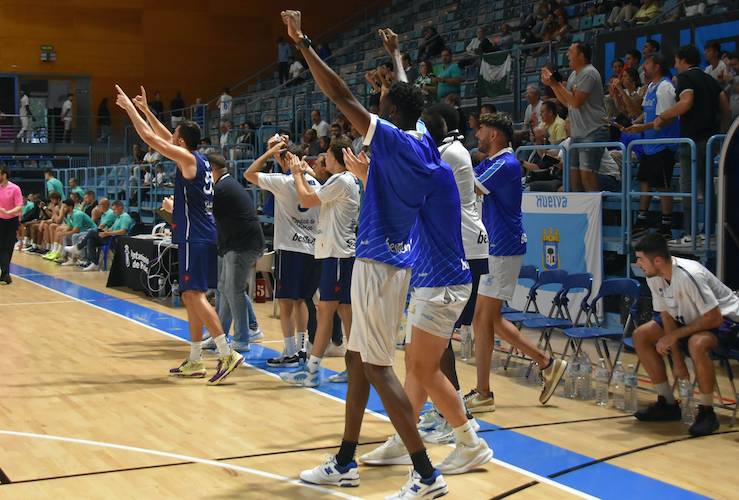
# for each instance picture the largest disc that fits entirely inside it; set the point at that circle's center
(357, 165)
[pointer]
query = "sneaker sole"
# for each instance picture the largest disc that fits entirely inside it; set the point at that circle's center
(481, 459)
(256, 338)
(404, 460)
(283, 365)
(228, 371)
(481, 409)
(192, 375)
(343, 483)
(548, 391)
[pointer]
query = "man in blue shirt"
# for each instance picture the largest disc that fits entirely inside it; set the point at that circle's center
(393, 223)
(498, 179)
(448, 76)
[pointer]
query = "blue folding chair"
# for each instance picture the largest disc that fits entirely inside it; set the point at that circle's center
(556, 277)
(104, 250)
(528, 273)
(625, 288)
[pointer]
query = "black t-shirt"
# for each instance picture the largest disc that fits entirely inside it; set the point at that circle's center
(90, 207)
(33, 214)
(704, 118)
(236, 218)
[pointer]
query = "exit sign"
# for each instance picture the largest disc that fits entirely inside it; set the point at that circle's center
(47, 53)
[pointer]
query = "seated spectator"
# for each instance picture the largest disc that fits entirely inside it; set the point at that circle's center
(309, 143)
(431, 43)
(95, 239)
(552, 122)
(504, 41)
(227, 136)
(448, 76)
(357, 141)
(633, 60)
(488, 109)
(76, 199)
(622, 12)
(324, 143)
(532, 113)
(648, 11)
(205, 146)
(246, 134)
(425, 82)
(89, 202)
(147, 178)
(480, 44)
(733, 93)
(31, 214)
(716, 67)
(152, 157)
(344, 123)
(543, 167)
(161, 179)
(562, 29)
(76, 226)
(319, 124)
(410, 71)
(470, 139)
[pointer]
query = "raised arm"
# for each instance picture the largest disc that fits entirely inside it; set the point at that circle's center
(252, 173)
(184, 159)
(328, 81)
(306, 195)
(573, 99)
(157, 126)
(390, 42)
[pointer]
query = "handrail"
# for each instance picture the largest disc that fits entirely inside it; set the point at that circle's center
(708, 186)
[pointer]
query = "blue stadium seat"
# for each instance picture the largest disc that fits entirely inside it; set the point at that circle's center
(586, 23)
(599, 20)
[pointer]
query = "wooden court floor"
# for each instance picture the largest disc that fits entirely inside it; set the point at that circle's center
(87, 411)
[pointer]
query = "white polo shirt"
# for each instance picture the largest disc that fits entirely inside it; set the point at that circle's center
(337, 222)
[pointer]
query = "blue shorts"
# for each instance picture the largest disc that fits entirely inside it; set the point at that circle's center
(196, 261)
(298, 275)
(336, 279)
(727, 333)
(478, 267)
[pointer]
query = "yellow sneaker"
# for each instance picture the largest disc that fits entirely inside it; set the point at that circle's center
(475, 403)
(225, 366)
(190, 369)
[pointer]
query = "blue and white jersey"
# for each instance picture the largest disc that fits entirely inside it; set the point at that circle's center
(499, 179)
(193, 205)
(659, 98)
(411, 215)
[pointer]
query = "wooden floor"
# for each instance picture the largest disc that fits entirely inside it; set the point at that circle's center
(87, 411)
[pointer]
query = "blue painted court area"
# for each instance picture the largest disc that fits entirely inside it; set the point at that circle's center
(601, 480)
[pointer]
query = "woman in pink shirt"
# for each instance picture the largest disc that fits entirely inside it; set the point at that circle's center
(11, 203)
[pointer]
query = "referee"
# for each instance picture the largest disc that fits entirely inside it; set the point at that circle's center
(11, 204)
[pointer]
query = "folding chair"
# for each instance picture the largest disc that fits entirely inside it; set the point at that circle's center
(628, 290)
(528, 273)
(544, 278)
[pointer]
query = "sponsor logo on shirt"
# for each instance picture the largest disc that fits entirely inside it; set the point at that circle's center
(303, 238)
(399, 247)
(465, 265)
(482, 238)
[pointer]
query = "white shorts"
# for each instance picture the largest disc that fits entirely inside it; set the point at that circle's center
(378, 296)
(501, 281)
(435, 310)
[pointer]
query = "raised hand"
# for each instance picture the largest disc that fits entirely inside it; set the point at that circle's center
(123, 101)
(546, 76)
(357, 166)
(140, 100)
(389, 40)
(292, 20)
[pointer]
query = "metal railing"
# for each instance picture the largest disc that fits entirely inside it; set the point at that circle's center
(708, 197)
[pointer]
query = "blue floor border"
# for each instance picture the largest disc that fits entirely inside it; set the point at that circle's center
(601, 480)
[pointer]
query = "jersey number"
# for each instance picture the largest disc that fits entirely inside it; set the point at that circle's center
(208, 188)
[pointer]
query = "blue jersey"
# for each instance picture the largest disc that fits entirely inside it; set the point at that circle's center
(193, 205)
(499, 178)
(659, 98)
(411, 214)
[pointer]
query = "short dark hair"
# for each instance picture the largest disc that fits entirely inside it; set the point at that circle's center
(190, 133)
(689, 54)
(714, 45)
(448, 113)
(337, 149)
(388, 64)
(117, 203)
(653, 43)
(217, 161)
(55, 196)
(91, 193)
(661, 61)
(4, 169)
(49, 171)
(69, 202)
(490, 106)
(619, 60)
(653, 245)
(634, 75)
(408, 99)
(435, 124)
(634, 53)
(500, 121)
(446, 49)
(284, 131)
(585, 50)
(550, 106)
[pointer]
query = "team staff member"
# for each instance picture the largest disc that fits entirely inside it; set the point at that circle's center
(11, 204)
(693, 310)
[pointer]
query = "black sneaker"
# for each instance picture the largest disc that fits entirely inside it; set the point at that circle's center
(5, 279)
(283, 361)
(659, 412)
(639, 230)
(665, 232)
(705, 422)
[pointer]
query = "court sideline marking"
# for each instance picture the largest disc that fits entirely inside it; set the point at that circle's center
(187, 458)
(511, 441)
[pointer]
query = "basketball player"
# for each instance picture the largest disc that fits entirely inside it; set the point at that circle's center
(498, 179)
(294, 243)
(194, 232)
(694, 311)
(397, 184)
(338, 199)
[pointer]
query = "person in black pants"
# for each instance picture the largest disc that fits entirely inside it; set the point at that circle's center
(11, 204)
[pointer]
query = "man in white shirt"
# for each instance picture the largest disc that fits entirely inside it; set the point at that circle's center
(532, 114)
(716, 67)
(296, 71)
(297, 274)
(319, 125)
(25, 111)
(224, 105)
(693, 311)
(67, 118)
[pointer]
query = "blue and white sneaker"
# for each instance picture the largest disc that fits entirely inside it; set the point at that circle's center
(430, 419)
(331, 473)
(302, 378)
(339, 378)
(433, 487)
(256, 335)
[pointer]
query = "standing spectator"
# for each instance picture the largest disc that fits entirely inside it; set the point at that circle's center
(296, 71)
(53, 185)
(632, 59)
(323, 51)
(224, 104)
(505, 40)
(25, 132)
(67, 118)
(103, 120)
(448, 76)
(716, 67)
(157, 107)
(177, 107)
(583, 96)
(648, 11)
(11, 204)
(284, 53)
(703, 109)
(425, 81)
(617, 67)
(410, 71)
(454, 101)
(649, 48)
(488, 109)
(470, 138)
(431, 43)
(552, 122)
(319, 125)
(658, 161)
(323, 143)
(227, 134)
(480, 44)
(75, 188)
(309, 144)
(198, 113)
(626, 94)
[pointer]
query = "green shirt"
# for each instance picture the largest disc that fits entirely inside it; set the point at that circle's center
(124, 221)
(108, 218)
(451, 71)
(55, 184)
(27, 207)
(80, 220)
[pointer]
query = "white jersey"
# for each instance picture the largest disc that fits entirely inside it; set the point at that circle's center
(224, 104)
(693, 291)
(474, 235)
(24, 106)
(67, 110)
(295, 226)
(337, 223)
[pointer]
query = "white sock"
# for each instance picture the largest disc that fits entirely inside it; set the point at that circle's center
(58, 247)
(290, 347)
(665, 391)
(302, 341)
(314, 363)
(461, 400)
(196, 351)
(705, 399)
(465, 434)
(25, 241)
(222, 346)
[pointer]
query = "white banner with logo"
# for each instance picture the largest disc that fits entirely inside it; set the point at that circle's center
(564, 232)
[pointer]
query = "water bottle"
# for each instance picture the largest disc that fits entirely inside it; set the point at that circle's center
(630, 384)
(573, 369)
(618, 386)
(175, 294)
(601, 383)
(686, 400)
(584, 380)
(465, 352)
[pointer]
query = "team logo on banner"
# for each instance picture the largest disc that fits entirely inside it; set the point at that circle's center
(550, 249)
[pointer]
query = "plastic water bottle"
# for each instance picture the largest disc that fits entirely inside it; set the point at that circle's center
(465, 351)
(584, 379)
(686, 400)
(175, 294)
(601, 383)
(573, 370)
(618, 387)
(630, 384)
